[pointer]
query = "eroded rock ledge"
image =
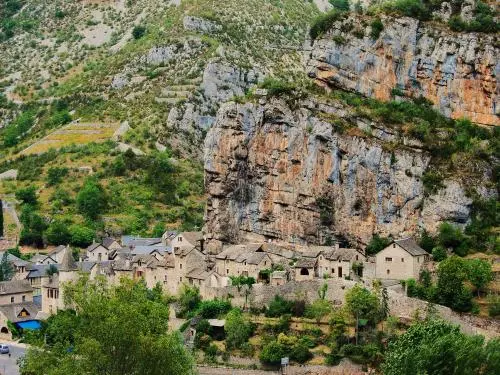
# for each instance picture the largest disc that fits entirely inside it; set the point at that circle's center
(278, 171)
(458, 72)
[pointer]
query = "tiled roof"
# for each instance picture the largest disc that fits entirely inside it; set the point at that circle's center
(139, 241)
(192, 237)
(411, 246)
(306, 263)
(107, 242)
(13, 311)
(15, 286)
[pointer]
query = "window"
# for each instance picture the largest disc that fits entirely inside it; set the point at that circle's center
(11, 299)
(387, 259)
(180, 266)
(402, 260)
(356, 257)
(227, 271)
(180, 239)
(265, 263)
(418, 259)
(24, 298)
(394, 245)
(180, 279)
(176, 249)
(388, 272)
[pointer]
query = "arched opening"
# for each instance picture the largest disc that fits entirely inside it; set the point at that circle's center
(304, 271)
(4, 330)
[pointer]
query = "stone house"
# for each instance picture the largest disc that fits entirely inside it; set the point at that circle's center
(110, 243)
(151, 268)
(58, 253)
(204, 279)
(168, 237)
(97, 252)
(36, 273)
(306, 269)
(16, 313)
(188, 240)
(52, 287)
(42, 259)
(186, 259)
(16, 291)
(279, 278)
(339, 262)
(401, 260)
(243, 260)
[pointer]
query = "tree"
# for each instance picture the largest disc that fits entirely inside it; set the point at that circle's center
(439, 253)
(161, 174)
(81, 236)
(437, 347)
(91, 201)
(240, 281)
(237, 329)
(340, 4)
(377, 244)
(117, 330)
(479, 273)
(138, 32)
(55, 175)
(189, 299)
(318, 309)
(58, 233)
(27, 195)
(362, 304)
(33, 227)
(6, 271)
(451, 291)
(1, 218)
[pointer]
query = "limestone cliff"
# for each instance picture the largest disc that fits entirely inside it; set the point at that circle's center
(275, 170)
(458, 72)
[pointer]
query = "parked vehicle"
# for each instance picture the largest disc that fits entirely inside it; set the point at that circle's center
(4, 349)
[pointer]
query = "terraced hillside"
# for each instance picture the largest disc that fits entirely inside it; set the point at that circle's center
(162, 68)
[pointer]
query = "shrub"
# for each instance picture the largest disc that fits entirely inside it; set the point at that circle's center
(324, 22)
(376, 28)
(27, 195)
(58, 233)
(92, 200)
(55, 175)
(237, 329)
(432, 182)
(342, 5)
(272, 353)
(278, 307)
(138, 32)
(300, 353)
(277, 87)
(494, 306)
(410, 8)
(439, 253)
(213, 308)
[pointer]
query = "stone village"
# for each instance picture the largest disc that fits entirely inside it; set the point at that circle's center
(36, 290)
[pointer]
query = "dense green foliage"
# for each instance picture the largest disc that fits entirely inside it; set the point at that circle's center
(377, 244)
(116, 330)
(376, 28)
(436, 347)
(6, 270)
(237, 329)
(91, 201)
(324, 22)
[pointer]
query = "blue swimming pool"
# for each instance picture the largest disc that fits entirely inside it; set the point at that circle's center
(29, 324)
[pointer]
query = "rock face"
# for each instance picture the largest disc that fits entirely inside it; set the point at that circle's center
(458, 72)
(276, 172)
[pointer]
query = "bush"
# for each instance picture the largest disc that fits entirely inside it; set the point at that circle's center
(138, 32)
(55, 175)
(376, 28)
(237, 329)
(409, 8)
(272, 353)
(277, 87)
(92, 200)
(300, 353)
(213, 308)
(342, 5)
(432, 182)
(324, 22)
(278, 307)
(494, 306)
(27, 195)
(439, 253)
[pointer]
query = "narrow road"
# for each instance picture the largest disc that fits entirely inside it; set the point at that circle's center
(8, 365)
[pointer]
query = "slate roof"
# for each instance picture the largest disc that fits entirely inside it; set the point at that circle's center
(306, 263)
(39, 270)
(107, 242)
(15, 286)
(344, 254)
(57, 250)
(68, 262)
(40, 258)
(94, 246)
(139, 241)
(198, 274)
(13, 311)
(411, 246)
(14, 260)
(192, 237)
